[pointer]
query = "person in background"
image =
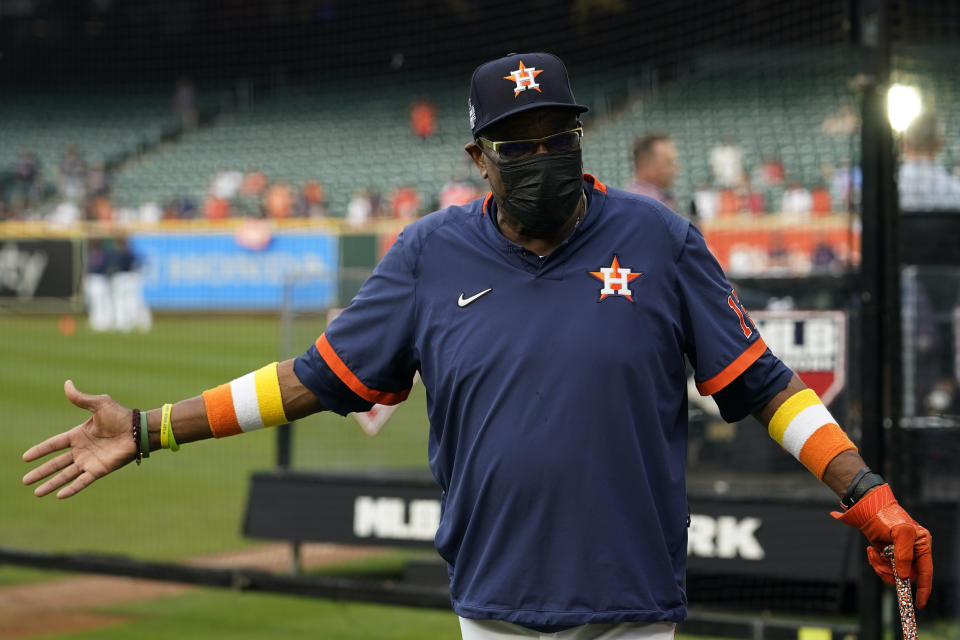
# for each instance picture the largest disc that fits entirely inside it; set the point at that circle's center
(185, 103)
(26, 183)
(313, 200)
(726, 161)
(71, 175)
(458, 191)
(655, 168)
(769, 173)
(96, 287)
(796, 200)
(821, 204)
(360, 209)
(405, 202)
(924, 184)
(130, 308)
(423, 118)
(278, 200)
(705, 202)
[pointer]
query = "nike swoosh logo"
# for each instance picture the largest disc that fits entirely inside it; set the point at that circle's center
(462, 302)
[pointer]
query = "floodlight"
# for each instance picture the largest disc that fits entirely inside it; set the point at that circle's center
(903, 105)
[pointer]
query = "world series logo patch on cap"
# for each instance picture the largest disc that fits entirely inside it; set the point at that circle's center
(525, 78)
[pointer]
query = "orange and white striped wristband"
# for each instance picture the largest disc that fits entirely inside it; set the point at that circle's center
(247, 403)
(803, 426)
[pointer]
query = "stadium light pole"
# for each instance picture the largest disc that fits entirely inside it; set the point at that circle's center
(879, 276)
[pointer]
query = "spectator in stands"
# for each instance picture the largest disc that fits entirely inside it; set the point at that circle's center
(185, 103)
(98, 180)
(360, 209)
(769, 173)
(752, 199)
(405, 202)
(226, 184)
(846, 186)
(223, 188)
(278, 200)
(924, 184)
(458, 191)
(840, 123)
(313, 200)
(820, 204)
(250, 195)
(98, 193)
(655, 168)
(26, 183)
(423, 118)
(726, 161)
(728, 202)
(71, 175)
(180, 207)
(824, 257)
(797, 200)
(705, 202)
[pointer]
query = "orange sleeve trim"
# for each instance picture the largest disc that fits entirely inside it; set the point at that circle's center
(220, 412)
(348, 378)
(486, 201)
(599, 186)
(823, 446)
(733, 370)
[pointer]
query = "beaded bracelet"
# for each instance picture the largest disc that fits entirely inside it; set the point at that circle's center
(136, 435)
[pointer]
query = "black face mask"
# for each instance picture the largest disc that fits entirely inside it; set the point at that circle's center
(542, 191)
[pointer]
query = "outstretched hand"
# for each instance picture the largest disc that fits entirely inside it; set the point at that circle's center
(101, 444)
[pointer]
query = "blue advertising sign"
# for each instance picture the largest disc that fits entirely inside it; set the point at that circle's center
(211, 271)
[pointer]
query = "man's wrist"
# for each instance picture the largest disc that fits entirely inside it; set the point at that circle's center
(862, 483)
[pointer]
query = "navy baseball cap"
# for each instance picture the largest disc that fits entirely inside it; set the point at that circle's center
(518, 82)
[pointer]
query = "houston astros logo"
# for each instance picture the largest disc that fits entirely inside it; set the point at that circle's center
(616, 280)
(525, 77)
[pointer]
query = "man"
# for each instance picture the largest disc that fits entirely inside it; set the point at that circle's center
(655, 168)
(549, 322)
(924, 184)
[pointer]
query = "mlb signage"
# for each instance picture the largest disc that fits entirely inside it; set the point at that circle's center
(725, 536)
(812, 343)
(211, 271)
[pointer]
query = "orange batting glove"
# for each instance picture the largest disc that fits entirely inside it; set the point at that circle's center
(884, 521)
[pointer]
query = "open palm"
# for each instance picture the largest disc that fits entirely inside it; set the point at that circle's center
(101, 444)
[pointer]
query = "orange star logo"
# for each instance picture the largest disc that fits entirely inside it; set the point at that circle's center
(616, 280)
(525, 77)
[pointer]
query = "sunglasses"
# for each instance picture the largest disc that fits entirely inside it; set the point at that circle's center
(517, 149)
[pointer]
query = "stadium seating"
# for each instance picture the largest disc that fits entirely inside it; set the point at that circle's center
(352, 133)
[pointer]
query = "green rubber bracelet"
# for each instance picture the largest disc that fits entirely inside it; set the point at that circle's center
(144, 435)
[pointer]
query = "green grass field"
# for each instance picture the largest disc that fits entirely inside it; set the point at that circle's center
(174, 505)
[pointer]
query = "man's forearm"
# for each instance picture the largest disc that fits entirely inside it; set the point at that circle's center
(842, 468)
(189, 419)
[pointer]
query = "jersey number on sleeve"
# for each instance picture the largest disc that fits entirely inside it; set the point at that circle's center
(734, 303)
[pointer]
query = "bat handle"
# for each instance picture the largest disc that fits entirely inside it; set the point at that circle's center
(908, 619)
